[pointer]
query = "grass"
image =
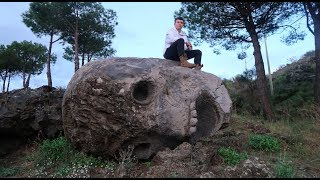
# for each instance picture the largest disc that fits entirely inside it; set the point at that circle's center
(284, 167)
(264, 142)
(58, 157)
(298, 139)
(284, 170)
(230, 156)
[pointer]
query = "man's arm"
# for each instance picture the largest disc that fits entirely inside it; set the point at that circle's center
(189, 45)
(171, 37)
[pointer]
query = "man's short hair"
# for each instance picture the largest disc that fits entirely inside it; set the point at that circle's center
(178, 18)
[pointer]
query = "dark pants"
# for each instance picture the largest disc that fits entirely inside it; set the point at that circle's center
(177, 49)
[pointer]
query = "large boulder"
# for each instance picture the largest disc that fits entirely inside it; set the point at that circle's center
(145, 103)
(27, 113)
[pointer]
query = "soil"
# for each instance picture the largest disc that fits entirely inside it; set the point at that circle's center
(187, 160)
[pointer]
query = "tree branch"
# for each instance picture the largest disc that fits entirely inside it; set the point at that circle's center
(240, 38)
(311, 9)
(57, 40)
(307, 14)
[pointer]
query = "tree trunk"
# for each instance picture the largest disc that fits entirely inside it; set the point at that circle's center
(28, 80)
(88, 57)
(49, 60)
(24, 78)
(4, 82)
(76, 58)
(317, 60)
(9, 77)
(261, 78)
(3, 86)
(315, 15)
(82, 59)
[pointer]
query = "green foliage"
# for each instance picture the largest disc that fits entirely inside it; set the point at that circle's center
(33, 56)
(9, 61)
(235, 21)
(9, 64)
(243, 92)
(264, 142)
(6, 172)
(95, 26)
(230, 156)
(52, 151)
(293, 90)
(59, 155)
(24, 58)
(308, 54)
(284, 169)
(42, 18)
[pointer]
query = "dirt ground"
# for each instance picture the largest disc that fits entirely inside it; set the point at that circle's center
(189, 160)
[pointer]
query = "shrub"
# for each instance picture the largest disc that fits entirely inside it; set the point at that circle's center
(51, 151)
(264, 142)
(230, 156)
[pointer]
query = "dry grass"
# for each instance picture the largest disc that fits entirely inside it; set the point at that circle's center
(299, 140)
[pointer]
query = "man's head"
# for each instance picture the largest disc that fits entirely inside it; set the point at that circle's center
(178, 23)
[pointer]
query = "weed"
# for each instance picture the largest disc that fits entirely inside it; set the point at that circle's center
(126, 160)
(264, 142)
(230, 156)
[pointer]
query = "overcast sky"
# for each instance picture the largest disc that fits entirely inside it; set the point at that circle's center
(140, 33)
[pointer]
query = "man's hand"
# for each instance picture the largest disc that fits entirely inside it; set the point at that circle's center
(189, 46)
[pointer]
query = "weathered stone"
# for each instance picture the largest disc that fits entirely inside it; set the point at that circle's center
(145, 102)
(26, 113)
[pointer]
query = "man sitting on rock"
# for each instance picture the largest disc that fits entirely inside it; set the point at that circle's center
(178, 48)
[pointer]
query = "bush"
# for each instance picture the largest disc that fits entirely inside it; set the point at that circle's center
(264, 142)
(230, 156)
(51, 151)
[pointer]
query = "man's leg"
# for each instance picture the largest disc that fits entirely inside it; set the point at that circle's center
(196, 54)
(175, 50)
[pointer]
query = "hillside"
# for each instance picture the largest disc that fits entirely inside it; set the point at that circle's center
(295, 154)
(249, 147)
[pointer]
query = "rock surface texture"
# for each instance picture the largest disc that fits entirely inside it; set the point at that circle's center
(146, 103)
(29, 113)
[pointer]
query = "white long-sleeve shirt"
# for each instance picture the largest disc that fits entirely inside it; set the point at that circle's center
(173, 35)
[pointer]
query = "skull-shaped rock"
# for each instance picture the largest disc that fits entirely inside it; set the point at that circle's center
(144, 103)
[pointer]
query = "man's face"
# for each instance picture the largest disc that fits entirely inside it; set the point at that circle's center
(178, 24)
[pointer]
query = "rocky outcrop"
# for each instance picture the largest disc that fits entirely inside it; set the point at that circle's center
(26, 113)
(146, 103)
